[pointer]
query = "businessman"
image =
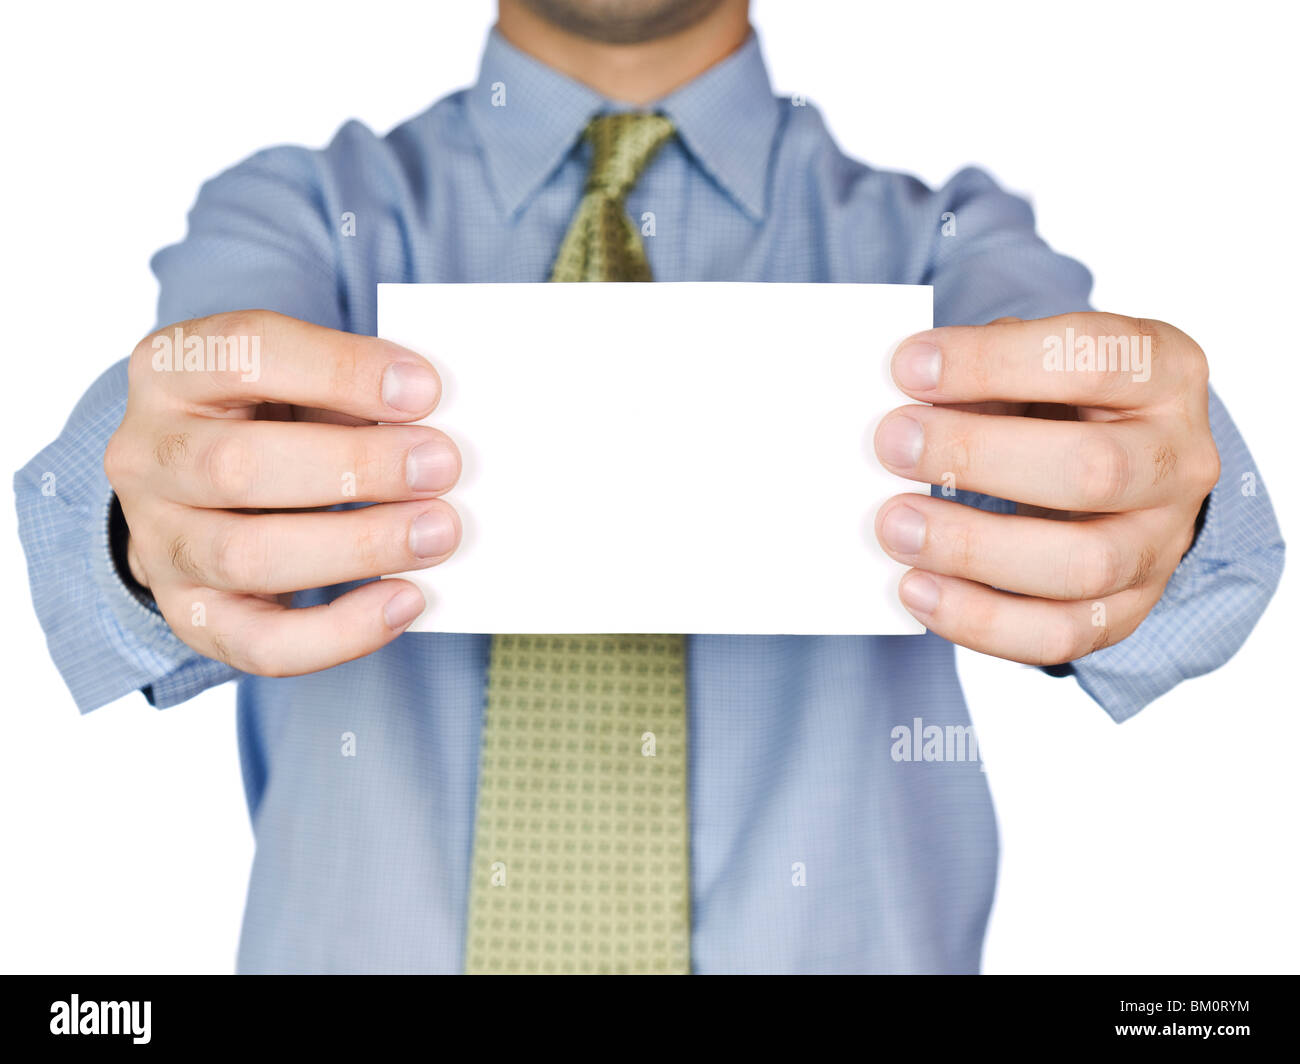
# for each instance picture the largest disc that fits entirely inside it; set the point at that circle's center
(625, 803)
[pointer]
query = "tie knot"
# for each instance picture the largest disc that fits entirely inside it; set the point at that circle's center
(621, 146)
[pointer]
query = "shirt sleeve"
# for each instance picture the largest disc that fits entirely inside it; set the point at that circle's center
(258, 238)
(988, 263)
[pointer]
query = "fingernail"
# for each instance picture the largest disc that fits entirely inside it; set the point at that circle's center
(431, 466)
(432, 534)
(920, 593)
(409, 386)
(917, 366)
(903, 530)
(403, 607)
(899, 442)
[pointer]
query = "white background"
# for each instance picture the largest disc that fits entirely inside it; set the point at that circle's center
(1156, 141)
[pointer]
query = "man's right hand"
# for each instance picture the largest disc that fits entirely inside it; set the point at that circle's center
(222, 480)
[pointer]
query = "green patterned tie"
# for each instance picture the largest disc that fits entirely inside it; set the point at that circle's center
(581, 841)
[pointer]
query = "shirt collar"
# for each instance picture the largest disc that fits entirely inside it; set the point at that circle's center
(726, 118)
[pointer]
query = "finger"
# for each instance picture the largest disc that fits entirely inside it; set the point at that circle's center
(1034, 631)
(1065, 560)
(266, 639)
(269, 554)
(1062, 465)
(1084, 359)
(256, 356)
(235, 464)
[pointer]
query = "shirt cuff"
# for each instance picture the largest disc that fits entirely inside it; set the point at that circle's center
(167, 670)
(1209, 607)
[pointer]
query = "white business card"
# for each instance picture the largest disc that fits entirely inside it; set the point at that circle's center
(691, 457)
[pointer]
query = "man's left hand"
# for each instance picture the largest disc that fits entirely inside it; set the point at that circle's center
(1108, 457)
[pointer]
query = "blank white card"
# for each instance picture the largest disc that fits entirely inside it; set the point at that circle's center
(663, 457)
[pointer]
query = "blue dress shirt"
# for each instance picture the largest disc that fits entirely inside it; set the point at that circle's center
(361, 862)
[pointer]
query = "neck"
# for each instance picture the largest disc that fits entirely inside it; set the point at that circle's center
(631, 73)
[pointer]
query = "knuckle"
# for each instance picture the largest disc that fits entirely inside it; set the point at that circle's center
(1196, 366)
(372, 548)
(979, 612)
(988, 357)
(172, 448)
(961, 548)
(139, 366)
(1155, 332)
(263, 651)
(1093, 568)
(1164, 461)
(234, 323)
(1102, 473)
(338, 630)
(220, 649)
(1146, 564)
(231, 560)
(1209, 469)
(1175, 353)
(178, 616)
(959, 455)
(345, 369)
(256, 656)
(117, 458)
(1150, 334)
(181, 555)
(230, 469)
(378, 465)
(1059, 642)
(1101, 639)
